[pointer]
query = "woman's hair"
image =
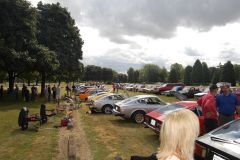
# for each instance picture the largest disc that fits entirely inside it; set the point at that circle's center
(178, 134)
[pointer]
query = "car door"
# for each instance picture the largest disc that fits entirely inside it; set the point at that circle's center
(153, 103)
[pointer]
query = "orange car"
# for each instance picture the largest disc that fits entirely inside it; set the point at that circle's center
(84, 96)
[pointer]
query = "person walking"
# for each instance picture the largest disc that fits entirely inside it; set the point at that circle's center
(32, 93)
(227, 105)
(49, 93)
(54, 92)
(209, 108)
(58, 94)
(24, 88)
(16, 91)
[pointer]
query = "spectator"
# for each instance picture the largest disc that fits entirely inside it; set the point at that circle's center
(73, 88)
(227, 105)
(22, 118)
(46, 92)
(33, 93)
(58, 94)
(208, 104)
(49, 93)
(43, 115)
(1, 92)
(16, 91)
(178, 145)
(113, 86)
(54, 92)
(68, 89)
(24, 88)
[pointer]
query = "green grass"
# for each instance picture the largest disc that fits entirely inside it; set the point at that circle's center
(111, 136)
(27, 145)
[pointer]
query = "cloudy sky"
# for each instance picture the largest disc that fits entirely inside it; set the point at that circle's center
(124, 33)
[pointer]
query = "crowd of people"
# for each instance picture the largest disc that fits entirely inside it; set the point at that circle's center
(219, 109)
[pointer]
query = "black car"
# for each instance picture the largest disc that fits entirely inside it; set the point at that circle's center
(222, 143)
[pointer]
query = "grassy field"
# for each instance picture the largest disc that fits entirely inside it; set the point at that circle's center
(108, 136)
(27, 145)
(111, 136)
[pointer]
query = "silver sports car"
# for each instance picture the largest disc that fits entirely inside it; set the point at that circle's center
(136, 107)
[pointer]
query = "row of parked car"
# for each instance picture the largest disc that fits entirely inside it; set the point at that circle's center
(150, 110)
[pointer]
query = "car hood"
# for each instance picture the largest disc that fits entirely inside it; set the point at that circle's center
(156, 115)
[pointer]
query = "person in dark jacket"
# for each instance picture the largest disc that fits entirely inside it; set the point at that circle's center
(43, 115)
(1, 91)
(22, 118)
(16, 91)
(49, 93)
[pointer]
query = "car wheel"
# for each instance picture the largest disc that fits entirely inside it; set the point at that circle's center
(138, 117)
(107, 109)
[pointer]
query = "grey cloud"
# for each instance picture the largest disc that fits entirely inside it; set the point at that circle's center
(152, 18)
(192, 52)
(230, 55)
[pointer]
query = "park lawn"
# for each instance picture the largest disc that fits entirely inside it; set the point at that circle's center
(111, 136)
(27, 145)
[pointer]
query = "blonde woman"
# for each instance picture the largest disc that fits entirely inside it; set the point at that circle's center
(178, 134)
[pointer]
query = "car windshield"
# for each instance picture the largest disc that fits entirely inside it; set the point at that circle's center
(169, 108)
(129, 99)
(228, 133)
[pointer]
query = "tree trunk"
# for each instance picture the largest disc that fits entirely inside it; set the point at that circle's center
(43, 83)
(11, 80)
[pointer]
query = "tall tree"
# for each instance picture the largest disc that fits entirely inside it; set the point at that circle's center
(227, 74)
(163, 75)
(17, 30)
(45, 62)
(92, 73)
(187, 75)
(150, 73)
(107, 74)
(58, 31)
(173, 76)
(136, 76)
(197, 72)
(179, 70)
(206, 73)
(130, 73)
(237, 72)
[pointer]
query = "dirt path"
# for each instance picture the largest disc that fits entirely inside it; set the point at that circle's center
(81, 146)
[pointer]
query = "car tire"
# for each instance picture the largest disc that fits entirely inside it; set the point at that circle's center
(107, 109)
(138, 117)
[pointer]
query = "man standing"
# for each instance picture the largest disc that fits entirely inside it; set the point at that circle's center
(16, 90)
(58, 94)
(208, 104)
(49, 93)
(227, 105)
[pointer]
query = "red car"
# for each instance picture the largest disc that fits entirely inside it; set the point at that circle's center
(155, 118)
(169, 86)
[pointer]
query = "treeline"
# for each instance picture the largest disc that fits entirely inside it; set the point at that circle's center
(197, 74)
(40, 41)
